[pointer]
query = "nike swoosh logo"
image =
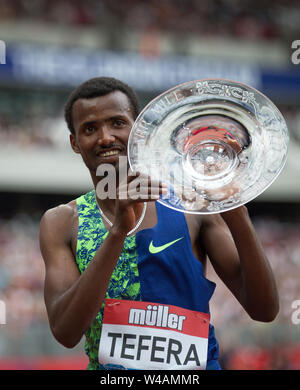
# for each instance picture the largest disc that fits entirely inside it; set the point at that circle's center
(156, 249)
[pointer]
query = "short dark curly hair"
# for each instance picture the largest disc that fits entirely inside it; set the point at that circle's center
(99, 86)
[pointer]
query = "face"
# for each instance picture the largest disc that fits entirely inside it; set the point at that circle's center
(102, 126)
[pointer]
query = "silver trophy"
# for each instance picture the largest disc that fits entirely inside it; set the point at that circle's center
(216, 143)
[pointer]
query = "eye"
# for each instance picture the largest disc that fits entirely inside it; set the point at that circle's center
(119, 123)
(89, 129)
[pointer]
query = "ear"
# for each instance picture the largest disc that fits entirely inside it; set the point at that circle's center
(74, 144)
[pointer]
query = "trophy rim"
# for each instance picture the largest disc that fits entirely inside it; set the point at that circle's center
(220, 81)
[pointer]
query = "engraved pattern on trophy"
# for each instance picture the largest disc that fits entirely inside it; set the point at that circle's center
(216, 143)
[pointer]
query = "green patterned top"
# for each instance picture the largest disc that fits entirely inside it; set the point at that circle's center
(124, 282)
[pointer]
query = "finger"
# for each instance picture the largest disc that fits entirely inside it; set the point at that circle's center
(143, 192)
(146, 193)
(140, 179)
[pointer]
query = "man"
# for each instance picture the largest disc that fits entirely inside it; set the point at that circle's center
(89, 256)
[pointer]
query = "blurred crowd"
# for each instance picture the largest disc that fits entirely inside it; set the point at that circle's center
(32, 119)
(21, 273)
(34, 127)
(246, 19)
(244, 343)
(282, 246)
(37, 132)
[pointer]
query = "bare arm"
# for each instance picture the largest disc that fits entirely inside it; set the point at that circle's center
(73, 300)
(239, 260)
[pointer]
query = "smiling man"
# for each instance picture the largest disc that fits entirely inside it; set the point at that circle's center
(130, 273)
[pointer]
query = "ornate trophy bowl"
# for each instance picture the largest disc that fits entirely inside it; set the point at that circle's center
(216, 143)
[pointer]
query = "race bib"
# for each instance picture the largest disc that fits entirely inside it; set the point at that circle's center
(154, 336)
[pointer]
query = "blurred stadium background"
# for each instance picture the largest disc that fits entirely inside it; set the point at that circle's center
(52, 46)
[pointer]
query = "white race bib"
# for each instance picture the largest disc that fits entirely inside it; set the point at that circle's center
(146, 335)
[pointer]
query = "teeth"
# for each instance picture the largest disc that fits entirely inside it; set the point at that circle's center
(111, 153)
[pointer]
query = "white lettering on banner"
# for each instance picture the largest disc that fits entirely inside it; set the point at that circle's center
(62, 66)
(146, 335)
(156, 316)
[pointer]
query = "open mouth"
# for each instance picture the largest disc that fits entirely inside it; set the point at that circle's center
(109, 153)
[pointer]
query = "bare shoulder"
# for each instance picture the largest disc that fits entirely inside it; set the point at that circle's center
(209, 220)
(212, 226)
(204, 221)
(63, 213)
(59, 221)
(226, 222)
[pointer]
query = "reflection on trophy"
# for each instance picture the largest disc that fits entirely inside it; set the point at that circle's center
(216, 143)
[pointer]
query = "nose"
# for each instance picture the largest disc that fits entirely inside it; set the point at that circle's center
(105, 137)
